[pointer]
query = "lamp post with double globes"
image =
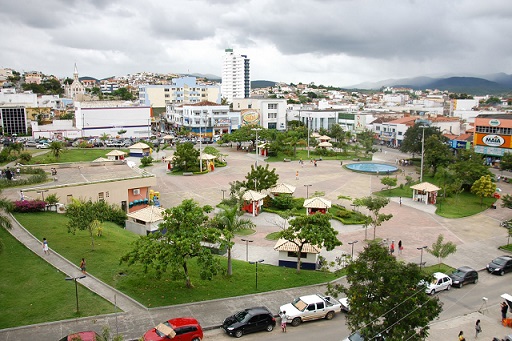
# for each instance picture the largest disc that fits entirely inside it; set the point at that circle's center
(352, 244)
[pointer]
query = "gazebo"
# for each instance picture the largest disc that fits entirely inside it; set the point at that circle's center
(316, 204)
(325, 144)
(139, 149)
(209, 161)
(116, 155)
(282, 188)
(324, 138)
(253, 201)
(425, 192)
(145, 220)
(288, 254)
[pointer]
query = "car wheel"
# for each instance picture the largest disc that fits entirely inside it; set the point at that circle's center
(196, 339)
(448, 287)
(239, 333)
(475, 281)
(296, 321)
(502, 272)
(432, 292)
(329, 315)
(270, 328)
(461, 284)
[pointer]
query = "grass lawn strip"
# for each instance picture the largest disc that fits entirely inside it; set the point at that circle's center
(33, 291)
(103, 262)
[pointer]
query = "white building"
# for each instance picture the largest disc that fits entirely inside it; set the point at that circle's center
(9, 97)
(269, 113)
(96, 118)
(183, 90)
(205, 118)
(236, 82)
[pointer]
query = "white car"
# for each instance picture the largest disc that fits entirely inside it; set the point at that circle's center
(439, 282)
(42, 146)
(310, 307)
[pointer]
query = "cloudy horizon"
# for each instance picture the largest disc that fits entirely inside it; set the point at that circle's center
(330, 42)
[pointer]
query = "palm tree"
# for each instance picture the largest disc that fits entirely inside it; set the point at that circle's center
(230, 220)
(56, 148)
(4, 221)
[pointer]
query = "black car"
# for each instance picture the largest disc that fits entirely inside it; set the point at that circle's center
(500, 265)
(464, 275)
(248, 321)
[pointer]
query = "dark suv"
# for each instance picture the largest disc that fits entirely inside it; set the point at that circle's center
(248, 321)
(500, 265)
(464, 275)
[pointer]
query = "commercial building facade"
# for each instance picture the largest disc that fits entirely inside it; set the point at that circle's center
(493, 134)
(269, 113)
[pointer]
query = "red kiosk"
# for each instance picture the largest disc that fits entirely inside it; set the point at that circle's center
(253, 201)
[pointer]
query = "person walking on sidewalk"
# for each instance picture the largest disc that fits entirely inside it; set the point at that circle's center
(45, 246)
(400, 247)
(504, 309)
(392, 248)
(283, 317)
(478, 329)
(461, 336)
(297, 175)
(82, 265)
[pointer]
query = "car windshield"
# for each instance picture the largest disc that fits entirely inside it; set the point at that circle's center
(241, 316)
(499, 261)
(161, 332)
(299, 304)
(459, 273)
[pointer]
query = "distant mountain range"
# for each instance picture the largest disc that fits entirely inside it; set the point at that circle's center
(497, 83)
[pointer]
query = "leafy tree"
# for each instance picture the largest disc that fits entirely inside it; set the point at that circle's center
(374, 205)
(506, 201)
(230, 220)
(389, 181)
(312, 229)
(365, 138)
(185, 156)
(146, 161)
(56, 148)
(469, 167)
(179, 239)
(25, 157)
(385, 297)
(124, 94)
(260, 178)
(442, 250)
(506, 161)
(437, 154)
(294, 138)
(413, 137)
(121, 132)
(484, 188)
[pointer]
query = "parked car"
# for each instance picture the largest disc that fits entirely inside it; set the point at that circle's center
(311, 307)
(464, 275)
(43, 145)
(248, 321)
(358, 337)
(83, 336)
(500, 265)
(30, 143)
(177, 329)
(440, 281)
(344, 304)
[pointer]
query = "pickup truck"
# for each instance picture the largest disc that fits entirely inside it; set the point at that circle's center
(310, 307)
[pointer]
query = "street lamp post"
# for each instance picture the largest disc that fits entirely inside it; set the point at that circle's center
(42, 193)
(352, 244)
(76, 288)
(223, 191)
(247, 241)
(256, 262)
(307, 190)
(421, 256)
(256, 130)
(422, 151)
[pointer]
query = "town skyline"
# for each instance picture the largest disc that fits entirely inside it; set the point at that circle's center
(340, 43)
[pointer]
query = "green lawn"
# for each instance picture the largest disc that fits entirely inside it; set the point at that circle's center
(103, 263)
(438, 268)
(72, 155)
(32, 291)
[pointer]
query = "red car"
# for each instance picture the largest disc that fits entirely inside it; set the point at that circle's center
(178, 329)
(83, 336)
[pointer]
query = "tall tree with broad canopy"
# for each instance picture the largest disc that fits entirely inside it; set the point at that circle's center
(312, 229)
(437, 154)
(374, 205)
(178, 241)
(506, 162)
(260, 178)
(386, 298)
(185, 156)
(484, 188)
(229, 220)
(469, 167)
(413, 136)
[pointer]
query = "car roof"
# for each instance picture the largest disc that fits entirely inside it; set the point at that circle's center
(258, 310)
(439, 275)
(182, 321)
(505, 257)
(465, 268)
(310, 298)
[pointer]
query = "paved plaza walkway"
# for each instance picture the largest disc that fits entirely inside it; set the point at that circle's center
(413, 223)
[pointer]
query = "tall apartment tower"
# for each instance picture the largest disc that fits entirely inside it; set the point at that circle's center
(236, 82)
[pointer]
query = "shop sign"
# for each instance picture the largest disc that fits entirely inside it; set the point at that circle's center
(494, 122)
(493, 140)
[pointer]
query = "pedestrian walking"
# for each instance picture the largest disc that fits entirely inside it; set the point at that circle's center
(478, 329)
(504, 310)
(315, 163)
(400, 201)
(297, 175)
(461, 336)
(392, 247)
(82, 265)
(283, 317)
(45, 246)
(400, 247)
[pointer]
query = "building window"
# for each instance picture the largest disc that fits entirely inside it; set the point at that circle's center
(166, 90)
(272, 105)
(107, 194)
(101, 196)
(294, 254)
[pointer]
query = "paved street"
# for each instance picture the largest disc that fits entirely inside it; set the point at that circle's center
(477, 239)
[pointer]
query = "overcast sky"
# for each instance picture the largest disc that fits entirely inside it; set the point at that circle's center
(330, 42)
